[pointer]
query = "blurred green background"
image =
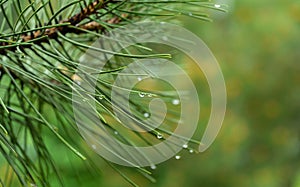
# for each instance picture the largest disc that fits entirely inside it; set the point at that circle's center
(257, 44)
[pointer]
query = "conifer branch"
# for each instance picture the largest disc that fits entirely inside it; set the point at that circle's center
(40, 36)
(41, 43)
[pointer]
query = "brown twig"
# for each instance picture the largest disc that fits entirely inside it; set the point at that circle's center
(52, 33)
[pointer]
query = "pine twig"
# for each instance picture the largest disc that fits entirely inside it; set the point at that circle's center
(42, 36)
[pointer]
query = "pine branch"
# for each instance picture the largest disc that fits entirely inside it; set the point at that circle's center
(40, 36)
(52, 33)
(37, 72)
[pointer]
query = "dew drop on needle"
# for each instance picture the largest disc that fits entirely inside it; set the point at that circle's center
(153, 166)
(175, 101)
(141, 94)
(150, 95)
(159, 136)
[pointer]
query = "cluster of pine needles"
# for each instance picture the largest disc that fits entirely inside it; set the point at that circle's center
(41, 43)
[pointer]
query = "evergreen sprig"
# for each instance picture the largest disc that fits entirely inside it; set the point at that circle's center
(38, 69)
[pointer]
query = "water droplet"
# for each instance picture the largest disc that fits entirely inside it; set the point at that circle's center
(150, 95)
(94, 146)
(159, 136)
(153, 166)
(190, 14)
(101, 97)
(116, 132)
(177, 157)
(191, 151)
(162, 23)
(33, 185)
(185, 146)
(141, 94)
(139, 78)
(146, 115)
(217, 5)
(175, 101)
